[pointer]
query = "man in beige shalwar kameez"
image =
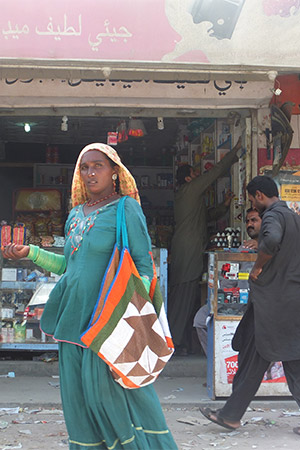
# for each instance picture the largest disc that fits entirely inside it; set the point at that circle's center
(188, 245)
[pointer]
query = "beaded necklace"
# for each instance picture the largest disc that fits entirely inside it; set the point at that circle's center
(81, 225)
(78, 227)
(89, 203)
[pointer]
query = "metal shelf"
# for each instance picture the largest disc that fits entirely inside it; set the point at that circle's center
(28, 346)
(31, 285)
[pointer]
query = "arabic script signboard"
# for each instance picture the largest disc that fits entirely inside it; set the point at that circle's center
(215, 32)
(93, 29)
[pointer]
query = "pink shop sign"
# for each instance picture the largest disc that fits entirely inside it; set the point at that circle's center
(124, 30)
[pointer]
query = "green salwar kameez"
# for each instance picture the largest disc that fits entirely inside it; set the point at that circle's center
(99, 413)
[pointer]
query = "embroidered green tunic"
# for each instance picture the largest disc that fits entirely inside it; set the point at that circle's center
(89, 244)
(99, 413)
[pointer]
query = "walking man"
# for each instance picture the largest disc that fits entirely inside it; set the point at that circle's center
(270, 328)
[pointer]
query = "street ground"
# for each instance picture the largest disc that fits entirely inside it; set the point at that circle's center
(263, 429)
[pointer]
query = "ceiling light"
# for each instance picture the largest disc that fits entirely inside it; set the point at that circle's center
(64, 123)
(27, 127)
(160, 123)
(272, 74)
(106, 71)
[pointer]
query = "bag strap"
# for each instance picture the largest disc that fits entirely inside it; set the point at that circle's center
(122, 236)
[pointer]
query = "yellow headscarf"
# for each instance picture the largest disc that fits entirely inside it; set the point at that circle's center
(127, 182)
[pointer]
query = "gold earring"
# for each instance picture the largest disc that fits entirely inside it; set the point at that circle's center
(114, 178)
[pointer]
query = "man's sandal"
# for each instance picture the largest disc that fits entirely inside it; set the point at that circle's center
(208, 413)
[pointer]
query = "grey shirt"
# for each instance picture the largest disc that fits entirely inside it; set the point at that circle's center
(275, 295)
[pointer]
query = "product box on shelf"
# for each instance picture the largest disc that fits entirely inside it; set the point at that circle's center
(9, 274)
(19, 332)
(7, 312)
(7, 335)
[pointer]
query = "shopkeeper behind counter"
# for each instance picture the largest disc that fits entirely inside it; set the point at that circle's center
(188, 244)
(253, 223)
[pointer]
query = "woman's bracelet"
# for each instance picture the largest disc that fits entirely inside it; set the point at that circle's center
(47, 260)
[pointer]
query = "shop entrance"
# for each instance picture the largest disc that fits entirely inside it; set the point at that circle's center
(43, 158)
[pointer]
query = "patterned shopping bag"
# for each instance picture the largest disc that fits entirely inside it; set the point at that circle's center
(129, 328)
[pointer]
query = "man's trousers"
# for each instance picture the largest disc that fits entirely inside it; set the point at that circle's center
(251, 369)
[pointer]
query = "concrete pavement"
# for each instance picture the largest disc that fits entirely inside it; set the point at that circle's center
(181, 392)
(37, 382)
(182, 383)
(39, 422)
(190, 366)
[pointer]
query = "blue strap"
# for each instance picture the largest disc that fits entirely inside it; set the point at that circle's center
(122, 236)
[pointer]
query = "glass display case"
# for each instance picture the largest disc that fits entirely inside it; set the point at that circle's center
(24, 291)
(22, 287)
(227, 295)
(228, 287)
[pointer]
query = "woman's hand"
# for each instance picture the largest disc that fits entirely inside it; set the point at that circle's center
(14, 251)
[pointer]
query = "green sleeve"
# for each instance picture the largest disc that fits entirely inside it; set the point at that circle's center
(47, 260)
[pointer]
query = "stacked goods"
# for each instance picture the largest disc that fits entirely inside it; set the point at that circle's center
(229, 238)
(16, 234)
(40, 211)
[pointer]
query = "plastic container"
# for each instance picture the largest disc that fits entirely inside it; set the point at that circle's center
(20, 332)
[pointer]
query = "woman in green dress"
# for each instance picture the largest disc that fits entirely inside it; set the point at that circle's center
(99, 413)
